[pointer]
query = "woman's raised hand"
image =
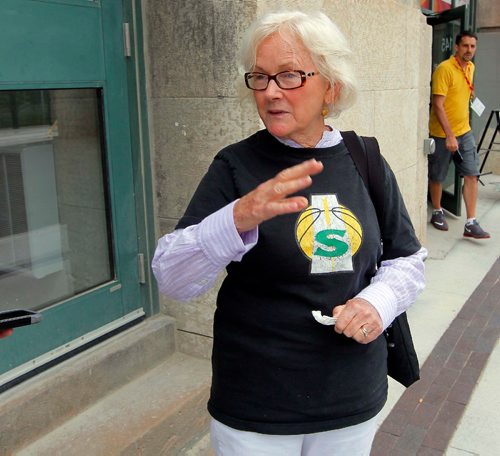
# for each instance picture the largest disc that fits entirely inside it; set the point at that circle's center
(270, 198)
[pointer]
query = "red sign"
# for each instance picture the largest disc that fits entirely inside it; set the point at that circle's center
(438, 6)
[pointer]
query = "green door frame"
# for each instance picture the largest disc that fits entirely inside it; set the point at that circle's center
(143, 179)
(126, 132)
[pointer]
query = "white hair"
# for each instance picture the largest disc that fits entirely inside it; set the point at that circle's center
(327, 46)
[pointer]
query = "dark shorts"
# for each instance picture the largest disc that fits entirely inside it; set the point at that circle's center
(439, 161)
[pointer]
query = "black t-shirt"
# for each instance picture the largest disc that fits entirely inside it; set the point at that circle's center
(275, 369)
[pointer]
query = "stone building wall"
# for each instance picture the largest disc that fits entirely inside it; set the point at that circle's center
(488, 15)
(195, 110)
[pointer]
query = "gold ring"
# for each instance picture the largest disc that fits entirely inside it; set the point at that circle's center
(364, 331)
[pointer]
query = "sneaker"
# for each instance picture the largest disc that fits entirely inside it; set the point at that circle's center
(438, 221)
(475, 231)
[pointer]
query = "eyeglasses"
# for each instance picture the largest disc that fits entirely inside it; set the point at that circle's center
(286, 80)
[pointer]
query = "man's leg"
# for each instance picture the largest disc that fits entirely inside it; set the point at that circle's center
(469, 169)
(470, 195)
(435, 191)
(438, 168)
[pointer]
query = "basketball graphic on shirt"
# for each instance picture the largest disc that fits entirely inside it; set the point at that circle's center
(329, 234)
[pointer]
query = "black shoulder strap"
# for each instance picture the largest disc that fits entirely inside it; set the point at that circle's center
(365, 153)
(402, 360)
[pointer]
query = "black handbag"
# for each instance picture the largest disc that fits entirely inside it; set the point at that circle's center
(402, 360)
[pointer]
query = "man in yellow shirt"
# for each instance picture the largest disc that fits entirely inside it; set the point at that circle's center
(452, 91)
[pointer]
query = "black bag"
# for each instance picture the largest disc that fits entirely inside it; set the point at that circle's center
(402, 361)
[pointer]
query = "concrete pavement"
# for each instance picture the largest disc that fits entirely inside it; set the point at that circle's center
(454, 410)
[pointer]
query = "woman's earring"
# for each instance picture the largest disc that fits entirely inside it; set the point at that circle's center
(325, 111)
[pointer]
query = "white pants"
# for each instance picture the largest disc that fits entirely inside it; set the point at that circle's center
(352, 441)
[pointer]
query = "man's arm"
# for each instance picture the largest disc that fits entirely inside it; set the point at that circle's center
(438, 106)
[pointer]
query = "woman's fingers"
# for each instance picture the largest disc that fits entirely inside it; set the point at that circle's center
(271, 198)
(291, 180)
(359, 320)
(306, 168)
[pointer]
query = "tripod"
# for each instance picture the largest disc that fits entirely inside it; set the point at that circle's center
(496, 113)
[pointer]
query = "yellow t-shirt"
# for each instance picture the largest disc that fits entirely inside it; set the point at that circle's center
(448, 80)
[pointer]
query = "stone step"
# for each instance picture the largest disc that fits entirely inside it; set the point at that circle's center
(160, 413)
(36, 406)
(199, 448)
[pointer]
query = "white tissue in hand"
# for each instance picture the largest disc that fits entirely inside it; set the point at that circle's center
(323, 319)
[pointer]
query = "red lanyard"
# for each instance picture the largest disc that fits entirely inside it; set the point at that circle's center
(471, 86)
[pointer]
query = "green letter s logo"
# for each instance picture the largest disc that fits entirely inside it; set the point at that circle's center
(334, 247)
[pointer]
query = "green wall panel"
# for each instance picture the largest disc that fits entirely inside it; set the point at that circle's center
(65, 39)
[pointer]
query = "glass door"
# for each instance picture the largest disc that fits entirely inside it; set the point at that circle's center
(53, 197)
(68, 235)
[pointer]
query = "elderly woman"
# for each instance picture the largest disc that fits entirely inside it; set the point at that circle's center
(288, 216)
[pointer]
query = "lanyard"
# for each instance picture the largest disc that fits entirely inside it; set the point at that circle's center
(471, 86)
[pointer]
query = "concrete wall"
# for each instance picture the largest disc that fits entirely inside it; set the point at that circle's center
(488, 14)
(194, 109)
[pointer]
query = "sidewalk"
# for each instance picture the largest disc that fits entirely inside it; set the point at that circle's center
(454, 409)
